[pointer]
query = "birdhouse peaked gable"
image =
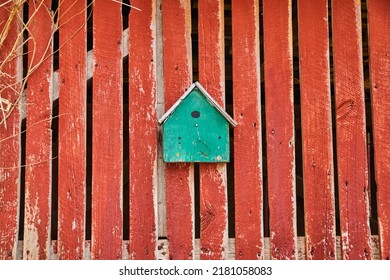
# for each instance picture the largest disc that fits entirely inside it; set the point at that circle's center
(196, 129)
(208, 98)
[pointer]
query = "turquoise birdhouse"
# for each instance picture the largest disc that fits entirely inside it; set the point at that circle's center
(196, 129)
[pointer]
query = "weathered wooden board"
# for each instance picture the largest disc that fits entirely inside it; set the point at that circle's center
(316, 118)
(143, 131)
(107, 135)
(72, 130)
(177, 78)
(379, 42)
(279, 100)
(350, 129)
(9, 138)
(38, 135)
(247, 134)
(213, 184)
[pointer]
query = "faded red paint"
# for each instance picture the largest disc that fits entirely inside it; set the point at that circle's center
(247, 134)
(38, 136)
(107, 135)
(9, 145)
(143, 131)
(213, 185)
(72, 131)
(278, 74)
(176, 20)
(350, 129)
(316, 117)
(379, 41)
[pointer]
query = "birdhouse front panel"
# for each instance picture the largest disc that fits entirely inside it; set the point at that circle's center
(196, 132)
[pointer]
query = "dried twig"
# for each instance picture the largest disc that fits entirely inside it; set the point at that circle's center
(15, 7)
(127, 5)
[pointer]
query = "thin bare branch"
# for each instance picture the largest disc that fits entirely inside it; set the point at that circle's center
(127, 5)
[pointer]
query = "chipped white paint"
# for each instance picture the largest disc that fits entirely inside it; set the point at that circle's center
(191, 185)
(30, 231)
(3, 177)
(55, 92)
(125, 45)
(155, 234)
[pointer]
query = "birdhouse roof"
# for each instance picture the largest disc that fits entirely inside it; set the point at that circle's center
(208, 98)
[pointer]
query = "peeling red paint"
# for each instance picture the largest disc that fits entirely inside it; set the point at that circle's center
(379, 41)
(143, 131)
(278, 76)
(177, 78)
(247, 134)
(107, 135)
(9, 146)
(213, 186)
(320, 226)
(350, 129)
(72, 132)
(38, 137)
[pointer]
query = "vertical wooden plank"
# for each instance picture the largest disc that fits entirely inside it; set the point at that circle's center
(316, 118)
(279, 99)
(9, 136)
(247, 134)
(143, 130)
(213, 181)
(107, 135)
(161, 194)
(177, 78)
(351, 129)
(72, 130)
(38, 135)
(379, 42)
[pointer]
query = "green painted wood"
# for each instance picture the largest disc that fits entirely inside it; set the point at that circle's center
(196, 132)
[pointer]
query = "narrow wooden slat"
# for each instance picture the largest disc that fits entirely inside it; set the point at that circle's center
(316, 116)
(72, 130)
(278, 74)
(213, 181)
(351, 129)
(247, 134)
(178, 77)
(38, 135)
(379, 42)
(9, 137)
(161, 194)
(107, 135)
(143, 131)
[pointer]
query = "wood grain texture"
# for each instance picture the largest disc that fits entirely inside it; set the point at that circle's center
(38, 135)
(11, 73)
(143, 131)
(351, 129)
(107, 135)
(72, 131)
(379, 42)
(177, 78)
(247, 134)
(279, 100)
(213, 181)
(316, 118)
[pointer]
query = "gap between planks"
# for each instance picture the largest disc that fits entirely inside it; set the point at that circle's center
(163, 246)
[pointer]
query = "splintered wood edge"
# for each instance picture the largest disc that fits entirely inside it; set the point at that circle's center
(163, 246)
